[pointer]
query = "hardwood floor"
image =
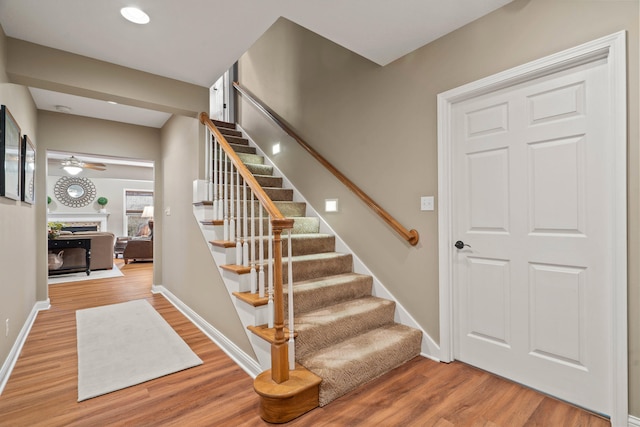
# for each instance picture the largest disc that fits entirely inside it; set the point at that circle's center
(42, 390)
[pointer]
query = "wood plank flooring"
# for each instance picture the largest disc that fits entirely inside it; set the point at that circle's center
(42, 390)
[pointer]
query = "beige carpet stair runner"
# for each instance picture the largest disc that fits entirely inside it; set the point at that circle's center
(346, 336)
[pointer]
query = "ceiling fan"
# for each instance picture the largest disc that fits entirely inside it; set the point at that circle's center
(73, 166)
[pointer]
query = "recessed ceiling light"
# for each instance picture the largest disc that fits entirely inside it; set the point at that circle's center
(135, 15)
(112, 102)
(63, 109)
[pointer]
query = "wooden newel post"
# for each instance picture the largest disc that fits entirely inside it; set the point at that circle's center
(279, 349)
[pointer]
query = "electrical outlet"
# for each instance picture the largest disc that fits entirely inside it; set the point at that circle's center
(6, 329)
(426, 203)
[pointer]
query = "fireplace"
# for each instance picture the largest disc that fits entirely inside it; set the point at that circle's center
(80, 220)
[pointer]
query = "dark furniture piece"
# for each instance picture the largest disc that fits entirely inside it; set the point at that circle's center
(57, 245)
(138, 249)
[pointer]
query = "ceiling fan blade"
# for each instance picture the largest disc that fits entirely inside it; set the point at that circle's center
(95, 166)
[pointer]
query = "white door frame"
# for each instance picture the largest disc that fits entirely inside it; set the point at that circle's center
(612, 49)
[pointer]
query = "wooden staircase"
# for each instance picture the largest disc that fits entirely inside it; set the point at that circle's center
(345, 336)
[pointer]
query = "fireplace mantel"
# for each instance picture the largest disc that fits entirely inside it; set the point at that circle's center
(75, 217)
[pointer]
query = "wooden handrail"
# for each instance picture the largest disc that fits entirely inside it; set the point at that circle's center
(410, 236)
(279, 353)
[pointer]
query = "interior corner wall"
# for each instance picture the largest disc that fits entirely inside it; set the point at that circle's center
(18, 225)
(379, 126)
(188, 269)
(3, 57)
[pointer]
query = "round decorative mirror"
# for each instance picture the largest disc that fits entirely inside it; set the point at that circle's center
(75, 192)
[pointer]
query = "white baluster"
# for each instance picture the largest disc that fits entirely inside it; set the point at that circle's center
(232, 205)
(215, 179)
(252, 248)
(220, 183)
(291, 345)
(270, 272)
(209, 163)
(238, 224)
(261, 264)
(225, 199)
(245, 229)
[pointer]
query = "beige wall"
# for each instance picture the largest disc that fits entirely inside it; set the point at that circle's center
(18, 227)
(188, 268)
(378, 125)
(46, 68)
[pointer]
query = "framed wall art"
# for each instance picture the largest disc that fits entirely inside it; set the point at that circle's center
(28, 167)
(10, 145)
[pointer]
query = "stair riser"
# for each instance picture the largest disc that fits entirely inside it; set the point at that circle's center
(309, 299)
(315, 334)
(231, 139)
(287, 209)
(275, 194)
(263, 180)
(302, 246)
(316, 268)
(254, 168)
(239, 148)
(224, 125)
(230, 132)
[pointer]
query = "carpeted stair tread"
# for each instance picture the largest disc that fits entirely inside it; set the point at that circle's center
(306, 225)
(314, 266)
(291, 209)
(253, 159)
(260, 169)
(348, 364)
(314, 294)
(326, 326)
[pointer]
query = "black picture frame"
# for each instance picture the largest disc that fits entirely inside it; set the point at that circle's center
(10, 155)
(28, 171)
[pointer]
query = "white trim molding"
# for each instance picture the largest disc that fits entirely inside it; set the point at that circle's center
(611, 49)
(12, 358)
(246, 362)
(634, 421)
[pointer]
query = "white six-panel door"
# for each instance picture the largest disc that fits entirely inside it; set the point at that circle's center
(534, 205)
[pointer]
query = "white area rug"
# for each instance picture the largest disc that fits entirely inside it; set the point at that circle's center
(80, 276)
(121, 345)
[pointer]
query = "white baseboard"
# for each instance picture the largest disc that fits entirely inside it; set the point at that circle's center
(247, 363)
(634, 421)
(12, 358)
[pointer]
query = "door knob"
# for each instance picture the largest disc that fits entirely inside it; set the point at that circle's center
(460, 244)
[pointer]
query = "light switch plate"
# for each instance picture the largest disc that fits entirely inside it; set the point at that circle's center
(426, 203)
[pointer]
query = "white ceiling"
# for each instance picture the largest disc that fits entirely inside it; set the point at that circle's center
(197, 40)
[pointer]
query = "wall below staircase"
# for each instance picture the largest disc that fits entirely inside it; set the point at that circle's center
(188, 271)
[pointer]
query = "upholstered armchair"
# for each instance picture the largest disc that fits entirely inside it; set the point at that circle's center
(138, 250)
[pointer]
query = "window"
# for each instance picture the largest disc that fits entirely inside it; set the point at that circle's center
(134, 203)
